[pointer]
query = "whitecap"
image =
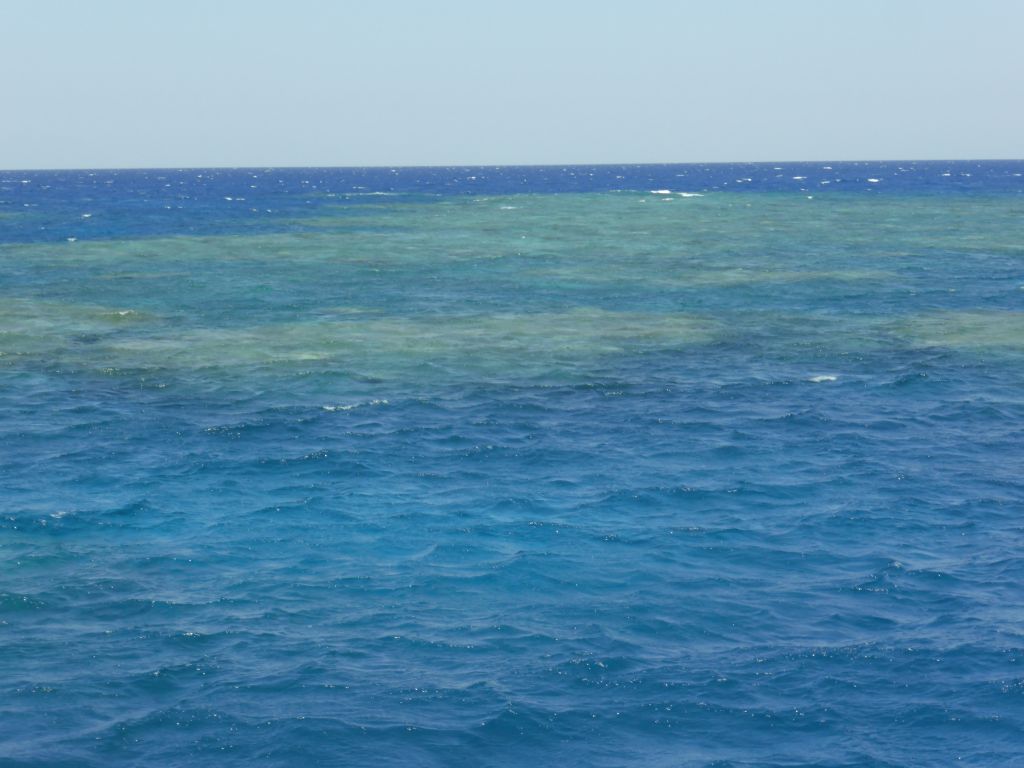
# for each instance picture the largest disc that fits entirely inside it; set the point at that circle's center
(690, 194)
(820, 379)
(661, 191)
(873, 181)
(353, 406)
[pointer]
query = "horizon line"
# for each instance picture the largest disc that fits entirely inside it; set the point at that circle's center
(498, 165)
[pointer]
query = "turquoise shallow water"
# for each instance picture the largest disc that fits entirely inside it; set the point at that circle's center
(513, 466)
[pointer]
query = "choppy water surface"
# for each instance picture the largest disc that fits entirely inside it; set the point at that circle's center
(513, 466)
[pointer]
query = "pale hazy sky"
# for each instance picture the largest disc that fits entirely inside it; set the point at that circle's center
(137, 83)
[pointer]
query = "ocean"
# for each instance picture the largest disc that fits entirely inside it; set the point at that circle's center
(673, 465)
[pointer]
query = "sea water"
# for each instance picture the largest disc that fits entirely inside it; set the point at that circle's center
(640, 465)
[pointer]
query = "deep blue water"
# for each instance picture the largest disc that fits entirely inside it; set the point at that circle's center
(143, 203)
(513, 466)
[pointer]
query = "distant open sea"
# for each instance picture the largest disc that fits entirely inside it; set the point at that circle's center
(654, 466)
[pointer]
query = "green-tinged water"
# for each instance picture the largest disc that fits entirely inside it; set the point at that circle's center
(526, 286)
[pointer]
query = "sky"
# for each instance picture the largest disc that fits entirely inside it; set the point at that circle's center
(210, 83)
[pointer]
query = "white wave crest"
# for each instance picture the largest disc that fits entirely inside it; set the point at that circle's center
(353, 406)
